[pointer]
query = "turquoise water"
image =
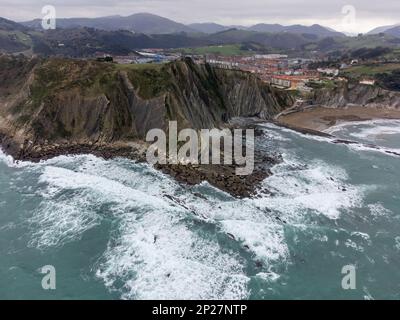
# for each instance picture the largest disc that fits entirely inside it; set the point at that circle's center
(111, 233)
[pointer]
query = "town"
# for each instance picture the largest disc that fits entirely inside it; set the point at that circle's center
(279, 70)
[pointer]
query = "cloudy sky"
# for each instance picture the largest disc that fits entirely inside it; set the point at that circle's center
(337, 14)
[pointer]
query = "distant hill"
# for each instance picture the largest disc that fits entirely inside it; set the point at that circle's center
(208, 27)
(392, 30)
(395, 32)
(287, 41)
(382, 29)
(13, 37)
(263, 27)
(138, 23)
(8, 25)
(315, 29)
(82, 42)
(349, 44)
(11, 44)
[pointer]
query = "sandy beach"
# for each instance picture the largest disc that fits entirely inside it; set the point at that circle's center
(322, 118)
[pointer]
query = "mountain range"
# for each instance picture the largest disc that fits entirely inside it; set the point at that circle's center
(116, 35)
(148, 23)
(138, 23)
(152, 24)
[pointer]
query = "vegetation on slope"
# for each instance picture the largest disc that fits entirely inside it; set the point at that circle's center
(389, 80)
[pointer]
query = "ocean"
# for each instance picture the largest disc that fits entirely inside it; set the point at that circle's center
(113, 230)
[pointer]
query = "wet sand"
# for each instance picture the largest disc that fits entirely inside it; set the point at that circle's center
(321, 118)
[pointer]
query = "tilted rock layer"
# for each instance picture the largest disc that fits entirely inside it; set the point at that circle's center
(58, 102)
(348, 93)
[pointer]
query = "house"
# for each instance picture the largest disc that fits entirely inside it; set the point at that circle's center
(281, 82)
(272, 56)
(368, 82)
(223, 64)
(329, 71)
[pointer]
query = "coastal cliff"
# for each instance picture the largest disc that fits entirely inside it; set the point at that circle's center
(341, 101)
(51, 107)
(346, 93)
(59, 102)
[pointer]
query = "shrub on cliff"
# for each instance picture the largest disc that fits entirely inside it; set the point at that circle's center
(389, 81)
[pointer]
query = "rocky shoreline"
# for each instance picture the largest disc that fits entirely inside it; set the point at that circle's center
(222, 176)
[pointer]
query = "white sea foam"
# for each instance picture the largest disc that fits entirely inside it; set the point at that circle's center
(314, 187)
(138, 176)
(352, 244)
(274, 135)
(268, 276)
(393, 152)
(154, 253)
(181, 264)
(397, 243)
(57, 222)
(378, 210)
(276, 129)
(238, 218)
(64, 217)
(376, 132)
(370, 128)
(373, 131)
(65, 179)
(362, 235)
(158, 257)
(251, 227)
(11, 163)
(265, 240)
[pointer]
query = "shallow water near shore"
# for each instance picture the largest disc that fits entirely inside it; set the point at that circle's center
(117, 229)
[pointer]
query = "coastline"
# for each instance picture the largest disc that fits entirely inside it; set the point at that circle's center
(316, 120)
(222, 176)
(309, 120)
(312, 121)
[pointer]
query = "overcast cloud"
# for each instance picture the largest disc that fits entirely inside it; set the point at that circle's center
(369, 13)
